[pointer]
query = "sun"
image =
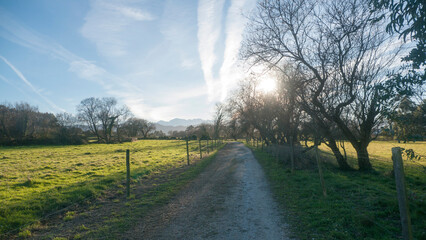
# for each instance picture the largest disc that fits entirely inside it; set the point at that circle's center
(267, 85)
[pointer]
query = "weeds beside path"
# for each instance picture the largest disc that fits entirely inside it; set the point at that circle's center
(358, 205)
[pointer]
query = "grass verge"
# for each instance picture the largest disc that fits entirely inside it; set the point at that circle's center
(358, 206)
(113, 215)
(139, 207)
(39, 181)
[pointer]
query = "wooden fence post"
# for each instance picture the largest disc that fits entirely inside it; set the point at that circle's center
(201, 152)
(404, 211)
(208, 152)
(187, 151)
(324, 191)
(128, 173)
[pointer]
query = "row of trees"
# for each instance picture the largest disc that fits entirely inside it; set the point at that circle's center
(111, 122)
(101, 118)
(23, 123)
(333, 60)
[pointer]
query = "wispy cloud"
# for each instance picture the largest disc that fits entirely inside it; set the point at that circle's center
(144, 48)
(11, 83)
(179, 32)
(30, 85)
(188, 93)
(187, 63)
(90, 71)
(17, 33)
(209, 32)
(124, 87)
(26, 37)
(235, 23)
(106, 23)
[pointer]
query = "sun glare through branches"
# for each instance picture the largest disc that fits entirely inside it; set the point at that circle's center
(267, 85)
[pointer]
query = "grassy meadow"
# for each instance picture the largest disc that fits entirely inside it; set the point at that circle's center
(36, 181)
(380, 153)
(358, 205)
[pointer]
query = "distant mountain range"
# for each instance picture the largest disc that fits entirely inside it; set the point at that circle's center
(178, 124)
(167, 129)
(182, 122)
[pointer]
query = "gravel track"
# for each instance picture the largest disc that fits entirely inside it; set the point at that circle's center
(230, 200)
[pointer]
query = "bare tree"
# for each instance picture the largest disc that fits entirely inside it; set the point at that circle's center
(108, 114)
(232, 128)
(204, 131)
(124, 115)
(293, 93)
(257, 112)
(189, 132)
(343, 52)
(66, 120)
(88, 114)
(101, 116)
(138, 127)
(289, 86)
(159, 134)
(179, 134)
(147, 127)
(132, 126)
(69, 132)
(218, 120)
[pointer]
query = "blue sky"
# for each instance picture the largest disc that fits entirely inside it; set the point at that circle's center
(163, 59)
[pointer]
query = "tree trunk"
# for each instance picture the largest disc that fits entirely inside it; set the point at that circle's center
(363, 158)
(325, 130)
(341, 161)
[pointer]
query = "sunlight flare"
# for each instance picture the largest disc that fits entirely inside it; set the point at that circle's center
(267, 85)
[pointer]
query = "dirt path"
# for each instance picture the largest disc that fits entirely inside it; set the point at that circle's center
(230, 200)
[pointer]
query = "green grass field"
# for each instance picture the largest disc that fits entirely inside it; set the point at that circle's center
(38, 180)
(380, 151)
(359, 205)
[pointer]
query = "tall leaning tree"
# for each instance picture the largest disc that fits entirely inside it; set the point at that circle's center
(344, 52)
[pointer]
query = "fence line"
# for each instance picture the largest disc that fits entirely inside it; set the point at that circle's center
(90, 198)
(400, 185)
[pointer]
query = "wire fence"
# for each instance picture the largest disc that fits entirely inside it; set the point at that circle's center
(194, 154)
(282, 152)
